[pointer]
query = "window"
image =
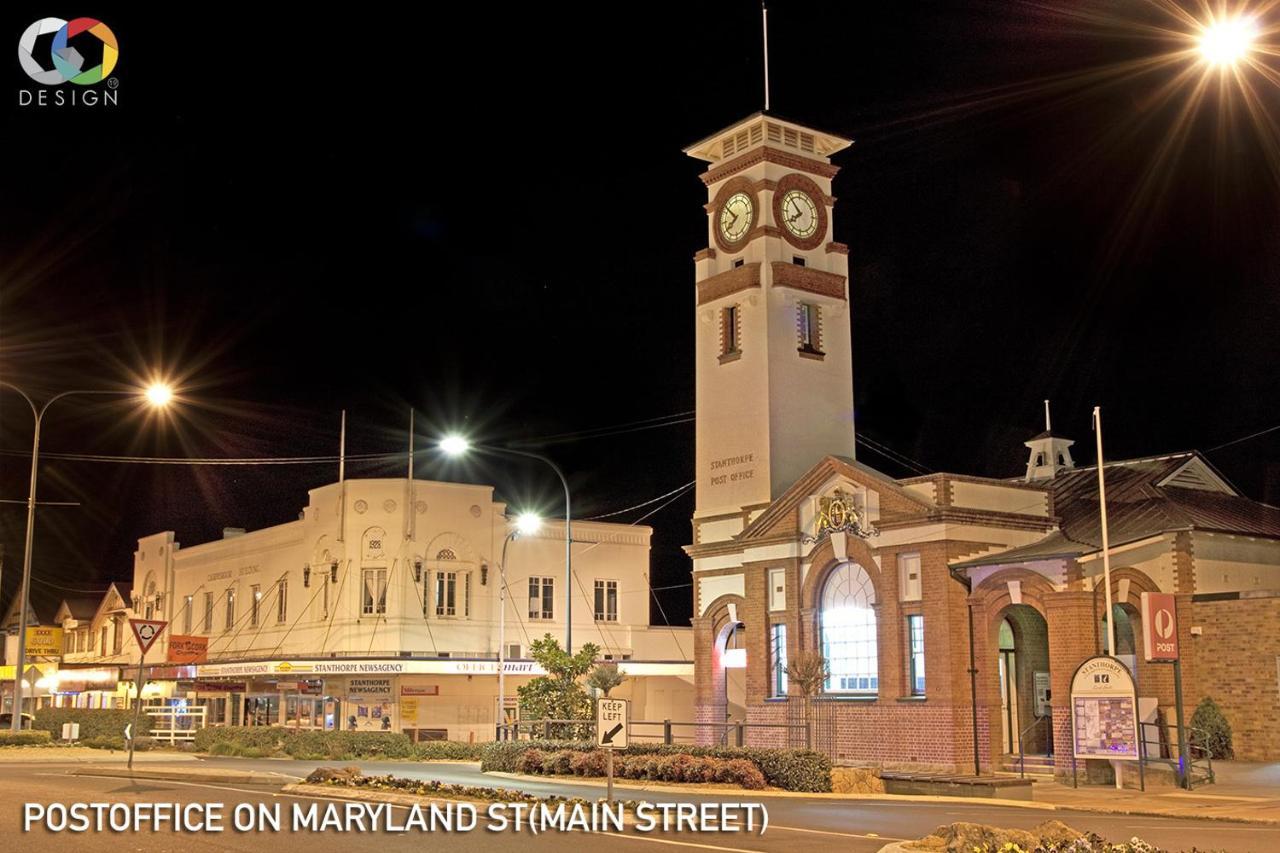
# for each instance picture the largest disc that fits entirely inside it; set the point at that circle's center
(282, 602)
(849, 631)
(737, 262)
(104, 640)
(117, 641)
(324, 598)
(466, 594)
(255, 602)
(909, 576)
(375, 592)
(730, 326)
(809, 327)
(797, 260)
(208, 613)
(231, 609)
(915, 639)
(778, 660)
(542, 598)
(606, 601)
(446, 593)
(186, 614)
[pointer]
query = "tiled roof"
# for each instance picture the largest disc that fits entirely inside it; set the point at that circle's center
(1138, 507)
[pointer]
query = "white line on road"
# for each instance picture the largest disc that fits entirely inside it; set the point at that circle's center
(684, 843)
(841, 834)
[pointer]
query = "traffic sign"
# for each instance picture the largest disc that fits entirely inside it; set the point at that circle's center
(612, 718)
(1159, 626)
(146, 631)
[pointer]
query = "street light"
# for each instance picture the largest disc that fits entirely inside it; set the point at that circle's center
(457, 446)
(157, 396)
(1226, 42)
(527, 524)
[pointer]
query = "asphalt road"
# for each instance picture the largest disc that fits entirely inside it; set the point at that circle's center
(796, 825)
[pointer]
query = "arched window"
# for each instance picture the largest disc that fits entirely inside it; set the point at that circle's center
(849, 631)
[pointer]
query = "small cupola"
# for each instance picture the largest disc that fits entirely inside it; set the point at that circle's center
(1049, 453)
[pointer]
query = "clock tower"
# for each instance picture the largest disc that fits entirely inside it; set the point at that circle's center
(774, 375)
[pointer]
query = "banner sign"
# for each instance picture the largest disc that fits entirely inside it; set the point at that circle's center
(1159, 626)
(44, 642)
(219, 686)
(402, 666)
(1104, 710)
(187, 649)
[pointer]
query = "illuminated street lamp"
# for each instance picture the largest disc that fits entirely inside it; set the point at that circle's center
(527, 524)
(457, 446)
(157, 395)
(1226, 42)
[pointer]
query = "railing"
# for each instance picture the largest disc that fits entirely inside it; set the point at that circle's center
(666, 730)
(1198, 757)
(172, 724)
(1022, 736)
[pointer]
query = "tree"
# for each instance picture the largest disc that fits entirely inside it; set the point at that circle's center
(605, 677)
(558, 695)
(1211, 731)
(809, 671)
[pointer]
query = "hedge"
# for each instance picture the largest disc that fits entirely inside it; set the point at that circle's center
(680, 767)
(94, 722)
(791, 770)
(26, 737)
(259, 741)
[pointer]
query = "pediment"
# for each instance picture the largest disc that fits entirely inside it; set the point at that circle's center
(795, 511)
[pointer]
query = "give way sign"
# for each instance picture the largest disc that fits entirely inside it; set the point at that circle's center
(1159, 626)
(146, 631)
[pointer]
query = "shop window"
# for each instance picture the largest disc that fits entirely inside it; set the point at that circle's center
(375, 592)
(606, 601)
(915, 639)
(778, 660)
(848, 622)
(542, 598)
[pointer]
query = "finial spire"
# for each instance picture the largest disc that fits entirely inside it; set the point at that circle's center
(764, 20)
(1047, 426)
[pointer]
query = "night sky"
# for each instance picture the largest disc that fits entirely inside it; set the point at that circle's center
(486, 215)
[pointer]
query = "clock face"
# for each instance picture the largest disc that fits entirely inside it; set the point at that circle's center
(735, 217)
(799, 213)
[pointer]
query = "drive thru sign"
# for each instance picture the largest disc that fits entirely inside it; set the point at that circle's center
(612, 716)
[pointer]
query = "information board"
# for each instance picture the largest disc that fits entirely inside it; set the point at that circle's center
(1104, 710)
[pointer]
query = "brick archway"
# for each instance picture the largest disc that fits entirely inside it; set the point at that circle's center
(822, 562)
(710, 631)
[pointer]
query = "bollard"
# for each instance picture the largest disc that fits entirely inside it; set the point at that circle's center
(666, 732)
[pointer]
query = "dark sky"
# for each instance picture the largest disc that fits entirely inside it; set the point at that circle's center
(485, 214)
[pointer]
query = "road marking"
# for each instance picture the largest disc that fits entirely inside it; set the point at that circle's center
(686, 843)
(831, 832)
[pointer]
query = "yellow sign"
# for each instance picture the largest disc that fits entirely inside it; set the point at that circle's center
(46, 669)
(44, 642)
(284, 666)
(409, 710)
(834, 512)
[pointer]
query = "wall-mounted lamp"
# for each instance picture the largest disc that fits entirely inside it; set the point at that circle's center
(137, 602)
(484, 574)
(417, 571)
(333, 571)
(306, 575)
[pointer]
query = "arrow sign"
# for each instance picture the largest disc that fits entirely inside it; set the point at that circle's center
(146, 631)
(611, 723)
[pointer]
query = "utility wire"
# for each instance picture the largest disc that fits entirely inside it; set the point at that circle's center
(683, 488)
(1244, 438)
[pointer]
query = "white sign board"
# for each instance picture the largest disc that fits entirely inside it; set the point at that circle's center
(1104, 711)
(612, 718)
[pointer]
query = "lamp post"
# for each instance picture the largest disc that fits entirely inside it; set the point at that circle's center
(526, 525)
(457, 446)
(158, 396)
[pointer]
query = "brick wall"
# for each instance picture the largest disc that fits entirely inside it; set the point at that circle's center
(1236, 661)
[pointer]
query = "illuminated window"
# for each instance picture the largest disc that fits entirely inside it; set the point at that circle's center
(778, 660)
(915, 637)
(849, 631)
(606, 601)
(186, 615)
(809, 327)
(730, 329)
(255, 602)
(282, 602)
(446, 593)
(375, 592)
(542, 598)
(231, 610)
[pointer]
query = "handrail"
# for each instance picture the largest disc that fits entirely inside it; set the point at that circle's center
(1022, 757)
(1205, 753)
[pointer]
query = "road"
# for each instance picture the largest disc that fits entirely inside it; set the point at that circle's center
(796, 825)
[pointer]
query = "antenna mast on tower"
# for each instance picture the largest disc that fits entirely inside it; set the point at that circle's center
(764, 20)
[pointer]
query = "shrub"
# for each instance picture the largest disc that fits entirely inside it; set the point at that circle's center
(270, 739)
(315, 745)
(530, 761)
(446, 750)
(26, 737)
(593, 763)
(559, 763)
(94, 722)
(791, 770)
(1210, 730)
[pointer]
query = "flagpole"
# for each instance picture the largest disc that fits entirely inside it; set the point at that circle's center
(342, 478)
(764, 20)
(1106, 542)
